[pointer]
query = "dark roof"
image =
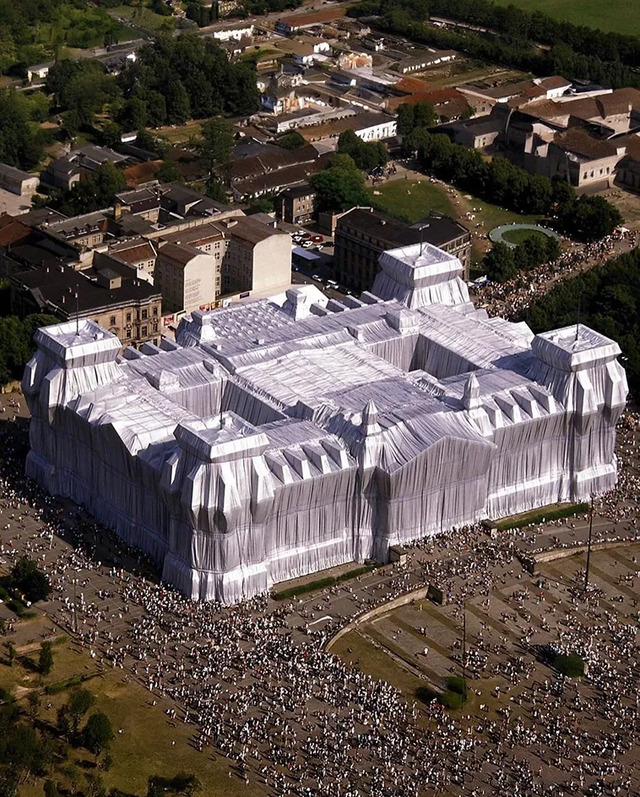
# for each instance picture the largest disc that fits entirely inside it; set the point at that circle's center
(272, 159)
(298, 190)
(282, 178)
(436, 229)
(39, 216)
(578, 141)
(61, 281)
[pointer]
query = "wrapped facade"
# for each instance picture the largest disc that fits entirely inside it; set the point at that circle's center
(285, 436)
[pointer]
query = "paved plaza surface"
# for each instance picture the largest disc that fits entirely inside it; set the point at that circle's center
(257, 684)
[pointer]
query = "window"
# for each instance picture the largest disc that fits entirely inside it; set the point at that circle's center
(155, 327)
(145, 313)
(112, 321)
(127, 334)
(155, 310)
(143, 332)
(128, 318)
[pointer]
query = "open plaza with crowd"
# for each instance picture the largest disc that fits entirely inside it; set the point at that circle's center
(259, 687)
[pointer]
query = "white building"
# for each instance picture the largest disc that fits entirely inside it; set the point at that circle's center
(282, 437)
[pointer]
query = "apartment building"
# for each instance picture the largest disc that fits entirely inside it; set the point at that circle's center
(362, 234)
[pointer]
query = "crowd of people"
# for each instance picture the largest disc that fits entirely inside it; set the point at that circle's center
(509, 299)
(259, 686)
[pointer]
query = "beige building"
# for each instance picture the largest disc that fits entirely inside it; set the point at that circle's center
(248, 256)
(109, 295)
(187, 278)
(139, 254)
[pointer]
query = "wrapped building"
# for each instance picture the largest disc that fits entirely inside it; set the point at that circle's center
(285, 436)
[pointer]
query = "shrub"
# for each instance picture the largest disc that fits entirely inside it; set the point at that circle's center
(426, 694)
(572, 665)
(456, 684)
(451, 700)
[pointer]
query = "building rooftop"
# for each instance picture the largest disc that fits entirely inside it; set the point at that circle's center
(57, 286)
(435, 229)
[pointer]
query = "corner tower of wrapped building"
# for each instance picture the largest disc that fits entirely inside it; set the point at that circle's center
(285, 436)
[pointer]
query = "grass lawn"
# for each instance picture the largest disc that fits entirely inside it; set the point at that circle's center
(181, 133)
(144, 18)
(608, 15)
(411, 200)
(518, 236)
(145, 746)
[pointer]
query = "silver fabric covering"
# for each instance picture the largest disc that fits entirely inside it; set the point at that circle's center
(278, 438)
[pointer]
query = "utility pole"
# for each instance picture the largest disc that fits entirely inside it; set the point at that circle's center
(75, 605)
(586, 571)
(464, 648)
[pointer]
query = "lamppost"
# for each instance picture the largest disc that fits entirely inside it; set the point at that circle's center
(464, 648)
(586, 571)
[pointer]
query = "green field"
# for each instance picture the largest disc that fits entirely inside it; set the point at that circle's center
(144, 18)
(608, 15)
(518, 236)
(411, 200)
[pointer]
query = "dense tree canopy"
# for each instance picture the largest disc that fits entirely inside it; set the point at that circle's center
(21, 145)
(175, 79)
(292, 139)
(502, 263)
(610, 302)
(82, 88)
(415, 115)
(27, 577)
(366, 154)
(340, 186)
(16, 343)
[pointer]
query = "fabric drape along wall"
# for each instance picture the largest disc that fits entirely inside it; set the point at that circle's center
(280, 448)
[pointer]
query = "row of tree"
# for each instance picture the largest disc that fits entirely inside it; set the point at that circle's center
(609, 300)
(522, 25)
(502, 263)
(503, 183)
(408, 18)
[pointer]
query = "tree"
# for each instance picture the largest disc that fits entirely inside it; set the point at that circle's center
(215, 190)
(340, 186)
(413, 116)
(98, 733)
(366, 155)
(33, 699)
(185, 783)
(499, 263)
(20, 146)
(292, 139)
(80, 701)
(216, 144)
(30, 580)
(112, 134)
(45, 659)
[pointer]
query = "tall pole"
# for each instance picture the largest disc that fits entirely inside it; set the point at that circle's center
(586, 572)
(464, 648)
(75, 605)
